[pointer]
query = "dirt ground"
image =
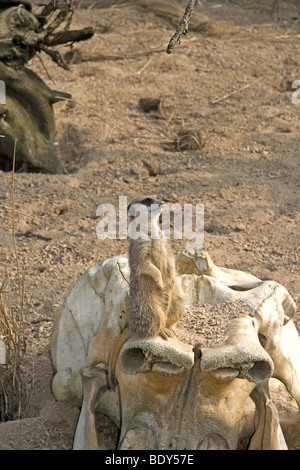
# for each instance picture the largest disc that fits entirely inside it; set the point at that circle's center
(225, 134)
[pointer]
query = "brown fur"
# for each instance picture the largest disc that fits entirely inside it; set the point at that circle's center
(154, 302)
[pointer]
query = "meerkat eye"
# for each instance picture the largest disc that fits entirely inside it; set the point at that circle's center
(148, 201)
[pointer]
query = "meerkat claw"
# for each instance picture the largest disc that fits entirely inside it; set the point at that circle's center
(165, 334)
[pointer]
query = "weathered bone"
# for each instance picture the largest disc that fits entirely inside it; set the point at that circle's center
(167, 401)
(94, 384)
(241, 354)
(268, 434)
(142, 355)
(183, 411)
(200, 263)
(281, 339)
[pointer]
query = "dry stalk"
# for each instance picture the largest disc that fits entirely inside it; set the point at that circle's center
(14, 394)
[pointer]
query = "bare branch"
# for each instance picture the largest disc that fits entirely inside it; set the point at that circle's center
(64, 37)
(183, 26)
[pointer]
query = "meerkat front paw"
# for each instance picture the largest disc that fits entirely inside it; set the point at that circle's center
(166, 333)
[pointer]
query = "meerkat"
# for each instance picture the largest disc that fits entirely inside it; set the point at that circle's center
(155, 304)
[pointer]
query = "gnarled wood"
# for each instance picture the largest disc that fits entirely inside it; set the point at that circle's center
(26, 113)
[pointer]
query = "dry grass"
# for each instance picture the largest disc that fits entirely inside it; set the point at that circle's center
(14, 393)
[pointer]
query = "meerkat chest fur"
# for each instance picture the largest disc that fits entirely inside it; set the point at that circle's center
(152, 274)
(145, 257)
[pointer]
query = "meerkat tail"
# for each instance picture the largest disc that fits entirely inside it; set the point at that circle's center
(124, 336)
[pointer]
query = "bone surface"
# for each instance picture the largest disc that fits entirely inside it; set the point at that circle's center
(170, 396)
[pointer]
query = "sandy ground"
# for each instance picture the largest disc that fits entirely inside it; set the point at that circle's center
(226, 134)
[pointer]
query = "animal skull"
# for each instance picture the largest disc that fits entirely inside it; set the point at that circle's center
(173, 396)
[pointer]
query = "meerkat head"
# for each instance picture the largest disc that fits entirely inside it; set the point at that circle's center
(152, 204)
(146, 211)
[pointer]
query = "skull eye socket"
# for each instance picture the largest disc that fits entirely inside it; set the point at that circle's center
(262, 338)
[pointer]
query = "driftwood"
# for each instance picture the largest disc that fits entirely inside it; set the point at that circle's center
(26, 112)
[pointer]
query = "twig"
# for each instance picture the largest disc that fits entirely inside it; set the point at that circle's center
(47, 10)
(139, 72)
(286, 36)
(30, 235)
(55, 56)
(228, 95)
(46, 70)
(183, 26)
(65, 10)
(13, 211)
(64, 37)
